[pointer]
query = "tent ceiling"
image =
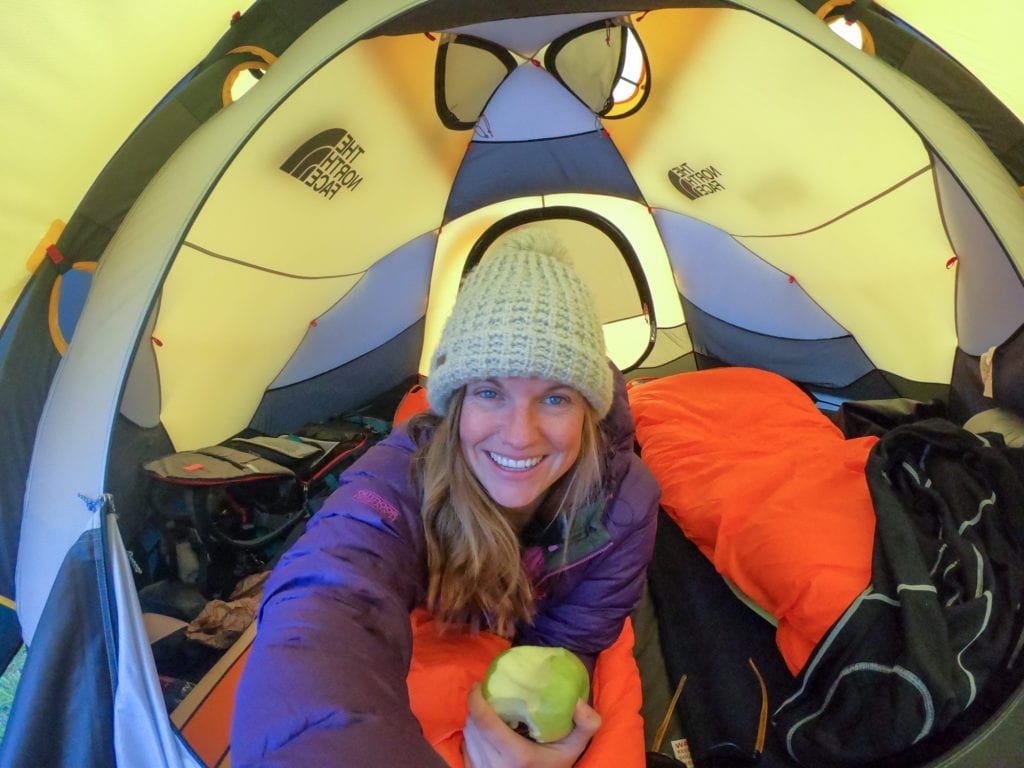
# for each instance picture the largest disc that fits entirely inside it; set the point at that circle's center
(793, 159)
(46, 174)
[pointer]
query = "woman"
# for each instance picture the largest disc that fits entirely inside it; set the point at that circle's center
(517, 506)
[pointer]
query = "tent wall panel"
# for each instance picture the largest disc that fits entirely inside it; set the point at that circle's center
(140, 402)
(993, 108)
(587, 163)
(984, 179)
(670, 344)
(989, 291)
(224, 332)
(129, 171)
(358, 323)
(190, 103)
(70, 671)
(344, 389)
(723, 277)
(389, 161)
(886, 279)
(829, 362)
(83, 83)
(772, 185)
(27, 365)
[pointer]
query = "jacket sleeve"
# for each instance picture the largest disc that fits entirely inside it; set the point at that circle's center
(590, 617)
(325, 682)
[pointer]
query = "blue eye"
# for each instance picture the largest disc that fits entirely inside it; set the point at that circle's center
(556, 399)
(486, 394)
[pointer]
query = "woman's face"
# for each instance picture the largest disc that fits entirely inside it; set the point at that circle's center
(519, 436)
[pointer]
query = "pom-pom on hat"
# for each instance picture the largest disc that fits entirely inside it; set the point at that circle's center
(523, 312)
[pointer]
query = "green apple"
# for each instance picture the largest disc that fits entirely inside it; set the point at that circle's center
(538, 687)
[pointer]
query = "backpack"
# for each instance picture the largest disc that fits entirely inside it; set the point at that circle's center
(226, 511)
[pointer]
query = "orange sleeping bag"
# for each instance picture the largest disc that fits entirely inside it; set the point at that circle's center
(769, 490)
(443, 670)
(440, 676)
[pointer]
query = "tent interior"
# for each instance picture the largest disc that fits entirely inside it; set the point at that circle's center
(279, 242)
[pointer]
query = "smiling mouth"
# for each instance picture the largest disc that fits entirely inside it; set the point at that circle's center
(515, 465)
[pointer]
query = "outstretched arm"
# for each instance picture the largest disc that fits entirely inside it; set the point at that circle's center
(325, 683)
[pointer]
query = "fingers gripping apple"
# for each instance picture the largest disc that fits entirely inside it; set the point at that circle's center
(537, 687)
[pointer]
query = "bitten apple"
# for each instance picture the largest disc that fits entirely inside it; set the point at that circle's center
(537, 687)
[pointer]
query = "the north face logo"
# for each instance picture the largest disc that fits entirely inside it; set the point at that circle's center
(326, 162)
(696, 182)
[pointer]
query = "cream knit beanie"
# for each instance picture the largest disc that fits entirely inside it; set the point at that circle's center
(523, 312)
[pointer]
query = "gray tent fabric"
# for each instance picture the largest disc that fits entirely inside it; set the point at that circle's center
(836, 362)
(27, 364)
(71, 668)
(587, 162)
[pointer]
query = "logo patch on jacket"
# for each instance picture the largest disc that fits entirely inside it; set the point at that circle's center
(378, 504)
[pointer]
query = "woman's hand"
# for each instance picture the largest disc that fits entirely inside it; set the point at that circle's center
(490, 743)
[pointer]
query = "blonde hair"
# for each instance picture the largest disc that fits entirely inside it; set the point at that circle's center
(474, 564)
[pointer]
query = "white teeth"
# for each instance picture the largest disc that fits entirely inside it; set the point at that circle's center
(517, 464)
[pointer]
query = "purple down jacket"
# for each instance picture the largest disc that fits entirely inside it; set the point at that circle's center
(325, 681)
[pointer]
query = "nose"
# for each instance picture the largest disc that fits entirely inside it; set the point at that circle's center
(521, 427)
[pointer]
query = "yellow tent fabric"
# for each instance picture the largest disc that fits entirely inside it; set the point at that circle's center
(984, 36)
(75, 81)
